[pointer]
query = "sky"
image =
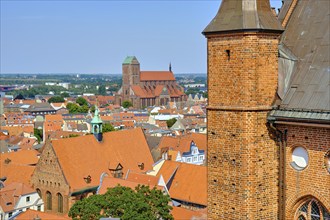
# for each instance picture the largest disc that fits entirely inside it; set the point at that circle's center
(95, 36)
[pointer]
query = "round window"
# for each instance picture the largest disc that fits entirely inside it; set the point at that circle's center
(299, 158)
(327, 161)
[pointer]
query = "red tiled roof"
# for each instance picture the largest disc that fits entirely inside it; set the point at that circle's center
(33, 214)
(54, 135)
(21, 157)
(189, 181)
(10, 195)
(182, 143)
(27, 143)
(156, 76)
(185, 214)
(132, 181)
(143, 179)
(83, 156)
(16, 173)
(13, 130)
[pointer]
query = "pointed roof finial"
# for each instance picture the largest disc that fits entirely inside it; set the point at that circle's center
(170, 67)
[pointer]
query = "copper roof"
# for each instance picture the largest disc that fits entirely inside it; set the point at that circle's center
(238, 15)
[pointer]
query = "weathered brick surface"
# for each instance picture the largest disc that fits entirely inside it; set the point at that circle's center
(242, 157)
(314, 180)
(48, 176)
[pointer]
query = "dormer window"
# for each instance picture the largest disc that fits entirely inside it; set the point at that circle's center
(88, 179)
(141, 166)
(118, 171)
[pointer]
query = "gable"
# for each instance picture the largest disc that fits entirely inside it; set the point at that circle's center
(48, 171)
(84, 156)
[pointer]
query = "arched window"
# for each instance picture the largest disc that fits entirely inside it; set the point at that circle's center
(313, 210)
(39, 192)
(59, 203)
(49, 200)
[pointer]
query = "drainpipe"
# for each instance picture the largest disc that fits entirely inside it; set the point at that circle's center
(281, 138)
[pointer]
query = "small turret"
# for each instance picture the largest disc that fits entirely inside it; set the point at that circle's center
(97, 125)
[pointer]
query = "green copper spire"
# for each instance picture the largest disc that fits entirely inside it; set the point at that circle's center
(97, 124)
(96, 118)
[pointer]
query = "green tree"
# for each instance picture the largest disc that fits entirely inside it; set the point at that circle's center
(81, 101)
(38, 133)
(107, 128)
(124, 203)
(171, 122)
(205, 94)
(102, 90)
(73, 108)
(56, 99)
(127, 104)
(65, 95)
(83, 109)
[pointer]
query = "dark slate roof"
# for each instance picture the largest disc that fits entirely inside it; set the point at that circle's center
(284, 10)
(307, 37)
(153, 141)
(40, 107)
(237, 15)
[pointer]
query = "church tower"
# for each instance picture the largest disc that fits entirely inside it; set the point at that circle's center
(131, 75)
(97, 125)
(243, 167)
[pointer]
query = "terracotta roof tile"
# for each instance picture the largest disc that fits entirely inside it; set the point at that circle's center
(10, 194)
(185, 214)
(132, 181)
(55, 135)
(27, 143)
(21, 157)
(189, 181)
(32, 214)
(182, 143)
(156, 76)
(16, 173)
(13, 130)
(83, 156)
(143, 179)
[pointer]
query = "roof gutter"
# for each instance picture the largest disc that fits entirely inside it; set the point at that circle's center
(299, 122)
(84, 190)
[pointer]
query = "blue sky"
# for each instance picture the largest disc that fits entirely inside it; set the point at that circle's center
(96, 36)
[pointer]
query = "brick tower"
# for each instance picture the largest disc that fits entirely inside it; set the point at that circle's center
(242, 42)
(131, 75)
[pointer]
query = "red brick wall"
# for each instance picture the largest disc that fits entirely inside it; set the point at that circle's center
(48, 176)
(314, 180)
(242, 157)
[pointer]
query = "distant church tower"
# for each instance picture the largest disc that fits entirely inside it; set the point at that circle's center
(242, 48)
(97, 125)
(131, 75)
